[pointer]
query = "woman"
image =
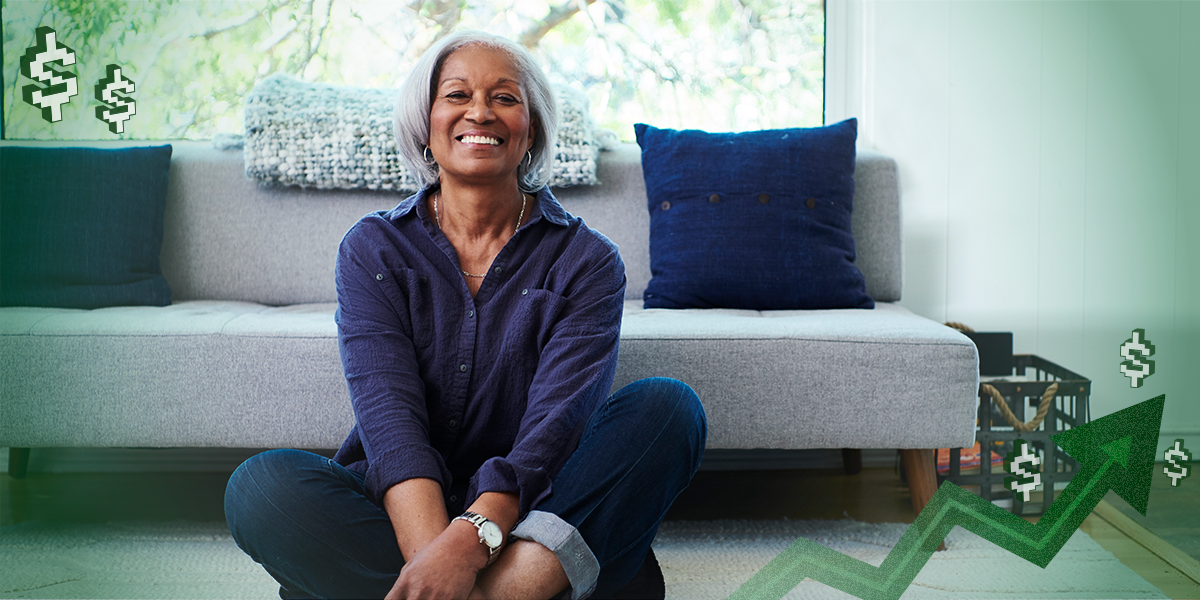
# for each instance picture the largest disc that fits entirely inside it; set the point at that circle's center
(478, 324)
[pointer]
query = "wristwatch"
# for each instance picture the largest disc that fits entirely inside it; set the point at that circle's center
(489, 533)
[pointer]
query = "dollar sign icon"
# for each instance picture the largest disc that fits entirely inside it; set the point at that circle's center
(59, 85)
(1137, 365)
(1177, 457)
(1019, 463)
(118, 106)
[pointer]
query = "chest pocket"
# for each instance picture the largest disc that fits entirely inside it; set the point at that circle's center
(533, 321)
(411, 297)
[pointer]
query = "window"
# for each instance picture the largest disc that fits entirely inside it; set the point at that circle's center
(720, 65)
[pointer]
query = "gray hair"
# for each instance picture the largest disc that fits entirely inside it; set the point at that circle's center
(416, 99)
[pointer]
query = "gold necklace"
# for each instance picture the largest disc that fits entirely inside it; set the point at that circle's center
(438, 216)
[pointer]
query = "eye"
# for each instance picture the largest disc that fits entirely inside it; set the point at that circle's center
(456, 95)
(507, 99)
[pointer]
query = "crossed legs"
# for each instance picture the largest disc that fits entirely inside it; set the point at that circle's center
(310, 524)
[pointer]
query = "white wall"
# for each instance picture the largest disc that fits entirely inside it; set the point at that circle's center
(1050, 162)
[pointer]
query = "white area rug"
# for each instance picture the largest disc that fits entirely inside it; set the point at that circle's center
(703, 560)
(700, 560)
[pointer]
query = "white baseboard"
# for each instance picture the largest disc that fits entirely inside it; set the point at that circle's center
(729, 460)
(134, 460)
(1191, 442)
(875, 457)
(158, 460)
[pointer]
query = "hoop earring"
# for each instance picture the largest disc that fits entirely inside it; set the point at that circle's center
(529, 156)
(428, 156)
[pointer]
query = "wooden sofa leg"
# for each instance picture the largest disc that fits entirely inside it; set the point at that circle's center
(18, 462)
(922, 478)
(852, 460)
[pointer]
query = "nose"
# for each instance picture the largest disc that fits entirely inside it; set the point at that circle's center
(480, 111)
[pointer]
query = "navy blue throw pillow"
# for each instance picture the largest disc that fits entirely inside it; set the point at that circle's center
(82, 227)
(757, 220)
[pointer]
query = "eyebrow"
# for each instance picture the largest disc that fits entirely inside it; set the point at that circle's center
(464, 80)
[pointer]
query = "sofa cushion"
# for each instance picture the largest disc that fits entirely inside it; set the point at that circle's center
(757, 220)
(82, 227)
(240, 374)
(882, 378)
(201, 373)
(215, 247)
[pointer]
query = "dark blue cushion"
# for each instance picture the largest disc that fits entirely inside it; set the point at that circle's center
(757, 220)
(82, 227)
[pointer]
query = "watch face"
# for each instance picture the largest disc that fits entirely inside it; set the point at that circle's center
(491, 534)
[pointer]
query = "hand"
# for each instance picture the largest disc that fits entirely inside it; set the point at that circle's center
(445, 569)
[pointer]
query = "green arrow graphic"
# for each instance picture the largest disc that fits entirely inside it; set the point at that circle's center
(1115, 452)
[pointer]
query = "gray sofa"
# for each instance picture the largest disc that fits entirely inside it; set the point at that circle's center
(246, 356)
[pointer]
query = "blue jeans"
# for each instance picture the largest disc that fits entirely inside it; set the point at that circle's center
(308, 521)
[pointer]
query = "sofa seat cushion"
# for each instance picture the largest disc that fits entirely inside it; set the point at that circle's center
(811, 378)
(156, 376)
(198, 317)
(199, 373)
(181, 319)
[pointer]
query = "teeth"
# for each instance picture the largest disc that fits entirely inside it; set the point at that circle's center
(479, 139)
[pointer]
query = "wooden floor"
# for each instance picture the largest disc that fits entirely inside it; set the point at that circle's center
(876, 495)
(1173, 512)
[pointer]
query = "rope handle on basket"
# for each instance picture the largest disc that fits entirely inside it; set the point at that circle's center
(998, 400)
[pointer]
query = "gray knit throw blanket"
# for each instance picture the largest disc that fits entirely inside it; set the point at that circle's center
(329, 136)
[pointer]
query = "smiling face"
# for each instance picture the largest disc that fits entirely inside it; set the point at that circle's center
(479, 122)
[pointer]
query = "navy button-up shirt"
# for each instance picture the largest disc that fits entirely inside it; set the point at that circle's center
(482, 394)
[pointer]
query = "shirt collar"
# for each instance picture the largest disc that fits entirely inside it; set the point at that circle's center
(550, 209)
(547, 207)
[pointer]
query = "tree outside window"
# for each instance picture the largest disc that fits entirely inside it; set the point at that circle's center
(719, 65)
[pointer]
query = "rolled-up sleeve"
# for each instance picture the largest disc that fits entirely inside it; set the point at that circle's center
(574, 373)
(380, 364)
(558, 536)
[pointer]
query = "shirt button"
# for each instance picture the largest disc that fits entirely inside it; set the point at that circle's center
(525, 292)
(470, 314)
(462, 368)
(764, 198)
(714, 198)
(666, 205)
(811, 203)
(498, 270)
(453, 423)
(454, 498)
(379, 277)
(424, 279)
